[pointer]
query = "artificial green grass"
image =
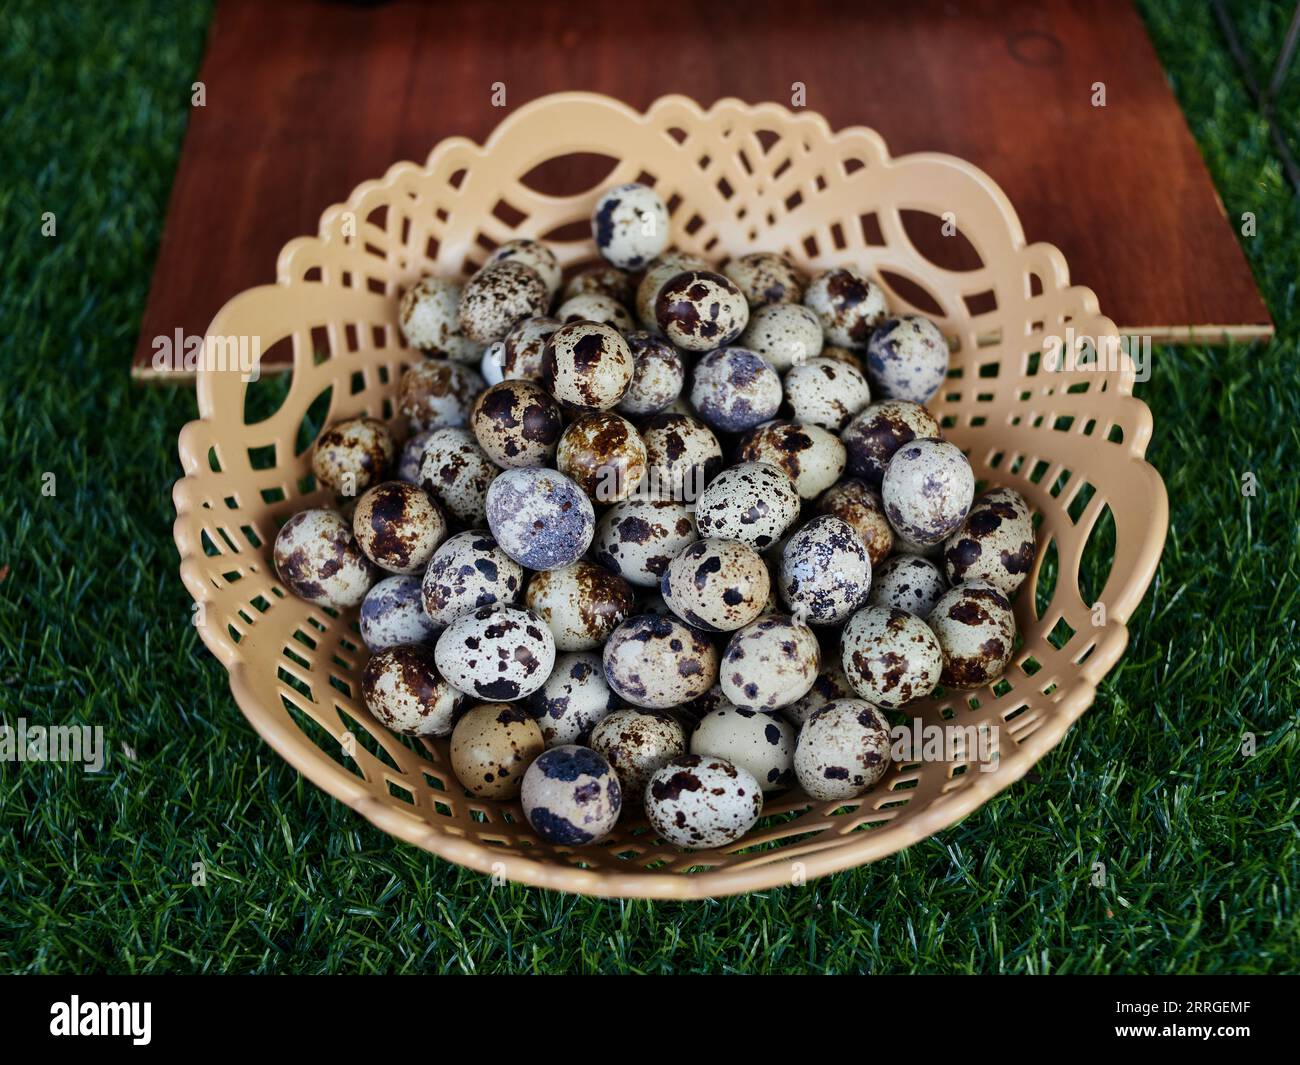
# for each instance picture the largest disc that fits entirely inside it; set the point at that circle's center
(1198, 840)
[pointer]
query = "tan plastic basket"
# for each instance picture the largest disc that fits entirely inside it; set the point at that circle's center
(738, 178)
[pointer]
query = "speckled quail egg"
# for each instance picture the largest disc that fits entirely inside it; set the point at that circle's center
(517, 424)
(976, 631)
(682, 456)
(785, 334)
(849, 305)
(908, 582)
(735, 389)
(662, 269)
(469, 571)
(404, 691)
(826, 393)
(492, 747)
(353, 454)
(873, 436)
(319, 560)
(843, 749)
(593, 307)
(588, 366)
(496, 298)
(852, 501)
(845, 356)
(496, 652)
(761, 744)
(754, 502)
(574, 697)
(433, 394)
(692, 713)
(765, 277)
(995, 543)
(630, 225)
(639, 537)
(398, 526)
(581, 604)
(904, 546)
(456, 473)
(602, 280)
(531, 253)
(831, 683)
(657, 662)
(825, 572)
(428, 316)
(927, 490)
(697, 802)
(604, 455)
(540, 518)
(571, 796)
(523, 352)
(907, 358)
(699, 310)
(657, 377)
(392, 613)
(768, 664)
(716, 585)
(636, 742)
(890, 656)
(408, 462)
(812, 457)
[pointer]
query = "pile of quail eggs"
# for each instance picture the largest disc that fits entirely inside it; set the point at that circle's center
(663, 538)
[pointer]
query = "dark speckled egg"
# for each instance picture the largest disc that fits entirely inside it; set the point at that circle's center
(499, 296)
(398, 526)
(663, 269)
(492, 747)
(428, 317)
(637, 742)
(540, 518)
(849, 305)
(581, 604)
(754, 502)
(435, 393)
(456, 472)
(630, 225)
(716, 585)
(574, 697)
(603, 280)
(761, 744)
(404, 691)
(588, 366)
(812, 457)
(976, 631)
(571, 796)
(658, 375)
(317, 557)
(843, 749)
(594, 307)
(469, 571)
(682, 456)
(351, 455)
(890, 657)
(734, 389)
(699, 310)
(523, 352)
(765, 277)
(908, 582)
(907, 358)
(534, 254)
(639, 537)
(496, 652)
(604, 455)
(658, 663)
(927, 490)
(852, 501)
(392, 613)
(768, 664)
(517, 424)
(825, 572)
(995, 543)
(873, 436)
(696, 802)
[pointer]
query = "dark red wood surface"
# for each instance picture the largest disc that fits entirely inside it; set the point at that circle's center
(306, 99)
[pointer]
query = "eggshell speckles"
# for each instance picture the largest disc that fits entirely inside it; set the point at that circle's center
(574, 697)
(909, 583)
(499, 296)
(769, 664)
(831, 683)
(636, 743)
(469, 571)
(434, 394)
(392, 613)
(534, 254)
(754, 502)
(428, 316)
(890, 656)
(826, 392)
(825, 571)
(873, 436)
(408, 463)
(661, 270)
(523, 352)
(853, 502)
(760, 744)
(571, 796)
(593, 307)
(602, 280)
(498, 653)
(848, 304)
(699, 310)
(716, 585)
(351, 455)
(657, 662)
(811, 457)
(682, 456)
(657, 378)
(540, 518)
(398, 526)
(735, 389)
(976, 631)
(456, 473)
(995, 543)
(786, 334)
(517, 424)
(604, 455)
(639, 537)
(588, 366)
(403, 689)
(927, 490)
(765, 278)
(630, 225)
(318, 559)
(843, 749)
(696, 802)
(492, 747)
(581, 604)
(907, 358)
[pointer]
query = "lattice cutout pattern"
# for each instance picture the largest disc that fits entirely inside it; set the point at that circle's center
(737, 178)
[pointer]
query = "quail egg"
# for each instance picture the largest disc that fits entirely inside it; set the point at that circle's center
(604, 455)
(498, 297)
(845, 356)
(735, 389)
(904, 546)
(517, 424)
(890, 656)
(812, 457)
(765, 278)
(408, 462)
(697, 802)
(571, 796)
(826, 393)
(456, 473)
(657, 376)
(637, 742)
(428, 316)
(754, 502)
(873, 436)
(831, 683)
(540, 518)
(907, 358)
(657, 662)
(574, 697)
(588, 366)
(319, 560)
(637, 538)
(825, 572)
(995, 543)
(492, 747)
(761, 744)
(662, 269)
(682, 456)
(603, 280)
(976, 631)
(927, 490)
(433, 394)
(699, 310)
(402, 688)
(630, 225)
(852, 501)
(593, 307)
(496, 652)
(849, 305)
(534, 254)
(469, 571)
(581, 604)
(907, 582)
(843, 749)
(523, 352)
(716, 585)
(352, 455)
(398, 526)
(768, 664)
(785, 334)
(692, 713)
(392, 613)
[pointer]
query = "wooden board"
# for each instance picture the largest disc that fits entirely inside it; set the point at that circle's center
(304, 100)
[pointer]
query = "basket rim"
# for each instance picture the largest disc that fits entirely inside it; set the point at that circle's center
(782, 868)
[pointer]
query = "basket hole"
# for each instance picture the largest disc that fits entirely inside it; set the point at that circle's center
(981, 303)
(1035, 285)
(852, 165)
(1116, 434)
(939, 241)
(457, 179)
(677, 133)
(912, 293)
(570, 232)
(810, 247)
(1001, 688)
(837, 237)
(766, 138)
(724, 187)
(872, 234)
(1060, 634)
(1039, 471)
(399, 792)
(509, 214)
(264, 396)
(744, 161)
(1045, 586)
(313, 421)
(1013, 714)
(1098, 557)
(1082, 496)
(793, 200)
(1031, 665)
(273, 495)
(262, 458)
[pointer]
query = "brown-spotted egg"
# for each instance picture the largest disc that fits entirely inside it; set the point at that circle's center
(657, 662)
(831, 683)
(765, 277)
(825, 572)
(825, 392)
(408, 462)
(499, 296)
(908, 582)
(768, 664)
(573, 699)
(976, 631)
(811, 457)
(735, 389)
(398, 526)
(637, 538)
(593, 307)
(682, 456)
(995, 543)
(852, 501)
(890, 656)
(433, 394)
(843, 749)
(534, 254)
(716, 585)
(496, 652)
(392, 613)
(658, 375)
(637, 742)
(353, 454)
(699, 310)
(540, 517)
(581, 604)
(785, 334)
(402, 688)
(523, 352)
(907, 358)
(428, 316)
(517, 424)
(873, 436)
(661, 270)
(492, 747)
(469, 571)
(571, 796)
(588, 366)
(603, 280)
(318, 558)
(604, 455)
(456, 473)
(848, 303)
(927, 490)
(697, 802)
(630, 225)
(754, 502)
